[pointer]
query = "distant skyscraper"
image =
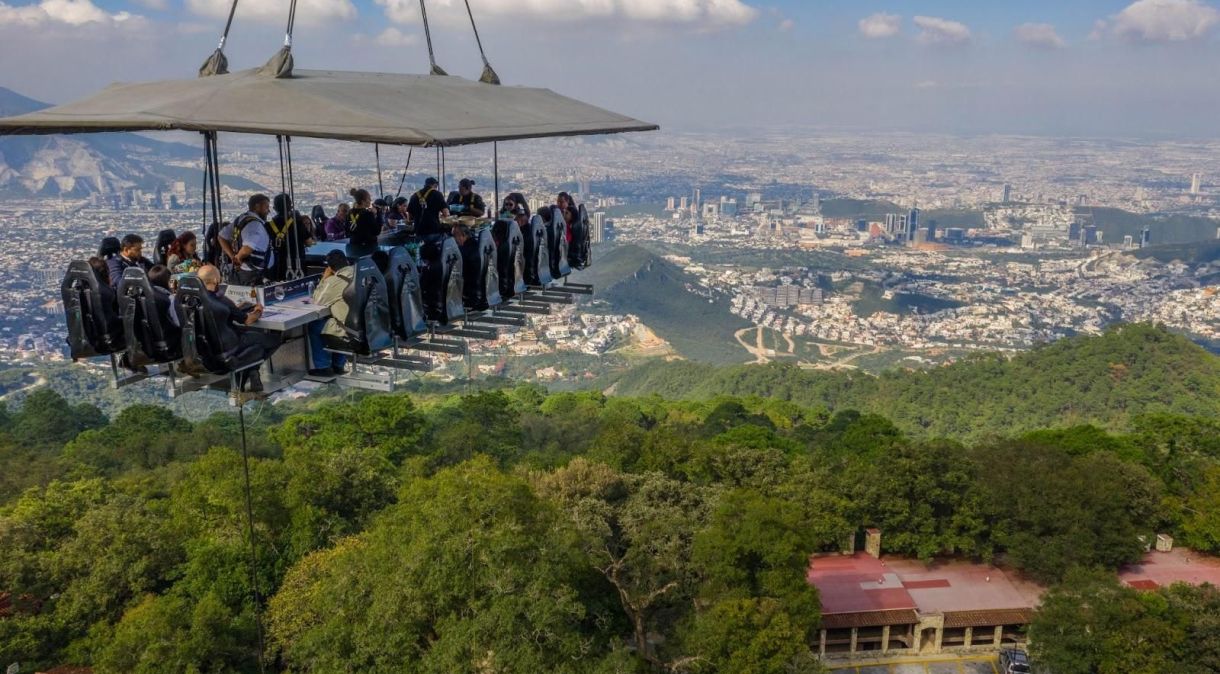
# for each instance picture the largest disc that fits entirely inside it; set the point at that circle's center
(817, 202)
(684, 204)
(599, 227)
(670, 204)
(583, 184)
(752, 199)
(1146, 237)
(1007, 193)
(698, 197)
(1196, 184)
(912, 224)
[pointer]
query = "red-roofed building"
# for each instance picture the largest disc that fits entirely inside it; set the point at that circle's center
(873, 606)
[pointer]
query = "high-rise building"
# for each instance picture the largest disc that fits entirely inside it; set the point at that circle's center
(684, 204)
(1146, 237)
(912, 224)
(1196, 184)
(698, 197)
(670, 204)
(753, 199)
(1007, 197)
(599, 227)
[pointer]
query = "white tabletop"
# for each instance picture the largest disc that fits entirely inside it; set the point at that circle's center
(290, 314)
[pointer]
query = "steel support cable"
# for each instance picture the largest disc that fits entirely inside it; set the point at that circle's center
(495, 167)
(292, 19)
(436, 70)
(489, 73)
(294, 254)
(258, 608)
(403, 180)
(217, 63)
(207, 183)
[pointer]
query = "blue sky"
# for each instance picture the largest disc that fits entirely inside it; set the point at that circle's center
(1073, 67)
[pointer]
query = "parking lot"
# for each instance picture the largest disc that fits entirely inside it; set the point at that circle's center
(978, 665)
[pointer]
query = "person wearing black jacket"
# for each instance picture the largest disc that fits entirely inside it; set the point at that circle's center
(363, 227)
(288, 239)
(158, 278)
(130, 255)
(426, 209)
(236, 335)
(465, 198)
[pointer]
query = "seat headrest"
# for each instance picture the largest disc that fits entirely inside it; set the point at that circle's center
(137, 278)
(109, 247)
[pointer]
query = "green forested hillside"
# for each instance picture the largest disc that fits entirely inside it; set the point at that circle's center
(1106, 380)
(520, 531)
(636, 281)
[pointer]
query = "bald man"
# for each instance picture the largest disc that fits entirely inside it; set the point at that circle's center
(238, 320)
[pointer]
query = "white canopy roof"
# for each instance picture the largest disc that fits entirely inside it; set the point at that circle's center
(423, 110)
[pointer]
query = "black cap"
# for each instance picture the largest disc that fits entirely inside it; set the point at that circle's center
(380, 203)
(431, 182)
(466, 183)
(400, 201)
(337, 260)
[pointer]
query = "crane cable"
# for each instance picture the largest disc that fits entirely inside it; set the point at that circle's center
(217, 63)
(489, 73)
(436, 70)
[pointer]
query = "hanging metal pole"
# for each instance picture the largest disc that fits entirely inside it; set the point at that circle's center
(439, 177)
(294, 254)
(380, 185)
(444, 168)
(495, 165)
(489, 74)
(245, 462)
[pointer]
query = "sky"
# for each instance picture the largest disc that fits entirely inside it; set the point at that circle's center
(1125, 68)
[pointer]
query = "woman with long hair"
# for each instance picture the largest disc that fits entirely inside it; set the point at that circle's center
(183, 256)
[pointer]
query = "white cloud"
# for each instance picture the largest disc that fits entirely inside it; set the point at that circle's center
(935, 30)
(1039, 35)
(786, 25)
(158, 5)
(70, 12)
(1165, 21)
(880, 25)
(392, 37)
(276, 11)
(702, 13)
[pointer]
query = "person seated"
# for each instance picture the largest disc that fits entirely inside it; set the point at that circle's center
(159, 277)
(426, 209)
(336, 228)
(131, 254)
(183, 255)
(239, 319)
(398, 213)
(110, 298)
(381, 208)
(109, 248)
(570, 213)
(291, 233)
(465, 201)
(318, 216)
(329, 293)
(363, 227)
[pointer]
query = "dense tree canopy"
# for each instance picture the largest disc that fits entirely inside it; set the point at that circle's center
(517, 530)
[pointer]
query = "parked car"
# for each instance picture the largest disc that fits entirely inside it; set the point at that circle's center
(1014, 661)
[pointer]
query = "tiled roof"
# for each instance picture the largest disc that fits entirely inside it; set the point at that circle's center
(988, 618)
(869, 619)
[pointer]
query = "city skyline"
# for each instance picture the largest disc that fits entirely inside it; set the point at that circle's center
(1098, 67)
